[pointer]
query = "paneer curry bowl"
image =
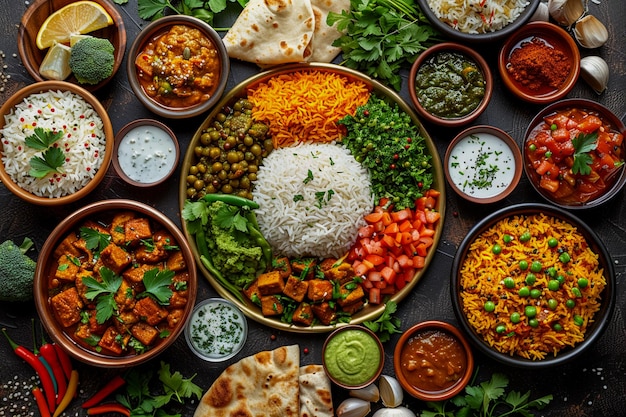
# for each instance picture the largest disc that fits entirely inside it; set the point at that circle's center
(115, 283)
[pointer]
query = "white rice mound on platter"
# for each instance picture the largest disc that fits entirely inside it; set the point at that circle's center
(83, 142)
(477, 16)
(313, 199)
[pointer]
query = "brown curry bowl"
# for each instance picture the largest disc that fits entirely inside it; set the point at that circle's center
(444, 345)
(169, 105)
(419, 94)
(39, 11)
(538, 91)
(12, 183)
(127, 335)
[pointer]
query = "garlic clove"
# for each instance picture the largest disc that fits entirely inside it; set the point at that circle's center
(369, 393)
(541, 14)
(394, 412)
(590, 32)
(353, 407)
(566, 12)
(391, 392)
(595, 71)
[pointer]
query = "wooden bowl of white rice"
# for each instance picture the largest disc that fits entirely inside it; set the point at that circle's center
(56, 143)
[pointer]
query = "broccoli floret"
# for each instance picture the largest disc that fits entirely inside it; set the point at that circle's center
(17, 271)
(92, 59)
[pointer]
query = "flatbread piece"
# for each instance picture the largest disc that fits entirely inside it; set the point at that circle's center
(315, 392)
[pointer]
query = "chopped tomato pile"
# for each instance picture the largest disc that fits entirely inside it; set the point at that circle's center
(393, 245)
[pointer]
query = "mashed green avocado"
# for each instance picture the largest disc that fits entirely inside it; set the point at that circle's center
(352, 357)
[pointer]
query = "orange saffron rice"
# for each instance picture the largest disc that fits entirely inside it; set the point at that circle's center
(531, 324)
(305, 106)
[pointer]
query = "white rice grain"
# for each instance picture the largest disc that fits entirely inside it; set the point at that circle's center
(477, 16)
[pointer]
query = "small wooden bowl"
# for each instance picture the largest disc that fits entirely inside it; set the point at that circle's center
(39, 11)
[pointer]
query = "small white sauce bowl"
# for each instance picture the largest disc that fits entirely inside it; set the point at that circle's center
(146, 153)
(483, 164)
(217, 330)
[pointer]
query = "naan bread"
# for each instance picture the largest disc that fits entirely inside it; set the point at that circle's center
(323, 36)
(315, 392)
(261, 385)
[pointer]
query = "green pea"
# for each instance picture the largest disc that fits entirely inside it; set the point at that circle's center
(507, 238)
(530, 278)
(583, 282)
(553, 126)
(552, 304)
(515, 317)
(553, 242)
(525, 237)
(551, 271)
(548, 154)
(523, 265)
(509, 282)
(553, 285)
(578, 320)
(533, 323)
(489, 306)
(524, 292)
(576, 292)
(530, 311)
(557, 327)
(500, 328)
(535, 293)
(535, 266)
(564, 257)
(532, 147)
(496, 249)
(561, 279)
(570, 303)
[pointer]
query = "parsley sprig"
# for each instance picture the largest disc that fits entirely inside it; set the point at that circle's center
(203, 10)
(52, 158)
(583, 144)
(157, 283)
(104, 293)
(385, 325)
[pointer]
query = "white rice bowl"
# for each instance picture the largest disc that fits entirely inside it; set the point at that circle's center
(313, 199)
(83, 142)
(478, 16)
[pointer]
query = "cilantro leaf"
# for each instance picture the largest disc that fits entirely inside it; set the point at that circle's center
(583, 144)
(177, 385)
(42, 138)
(50, 161)
(157, 283)
(152, 9)
(385, 325)
(230, 217)
(94, 240)
(104, 293)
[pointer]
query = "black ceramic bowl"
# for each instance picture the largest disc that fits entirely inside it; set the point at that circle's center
(594, 328)
(494, 36)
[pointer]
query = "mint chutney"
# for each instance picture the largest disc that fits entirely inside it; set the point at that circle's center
(352, 357)
(450, 85)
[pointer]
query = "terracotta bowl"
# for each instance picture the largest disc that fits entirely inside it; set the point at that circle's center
(343, 356)
(475, 149)
(45, 86)
(518, 290)
(47, 284)
(39, 11)
(494, 36)
(146, 153)
(614, 182)
(157, 28)
(450, 347)
(551, 35)
(432, 53)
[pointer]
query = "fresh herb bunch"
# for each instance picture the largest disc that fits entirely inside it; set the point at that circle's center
(202, 9)
(382, 36)
(487, 399)
(387, 324)
(384, 139)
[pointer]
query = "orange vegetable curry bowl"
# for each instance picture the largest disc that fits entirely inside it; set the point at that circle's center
(574, 154)
(115, 283)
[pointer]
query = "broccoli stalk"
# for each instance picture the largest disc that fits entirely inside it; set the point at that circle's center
(92, 59)
(17, 271)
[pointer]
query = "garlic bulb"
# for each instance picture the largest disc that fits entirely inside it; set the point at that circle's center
(566, 12)
(391, 392)
(353, 407)
(369, 393)
(541, 14)
(394, 412)
(590, 32)
(595, 71)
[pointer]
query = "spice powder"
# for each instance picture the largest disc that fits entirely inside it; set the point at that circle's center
(538, 66)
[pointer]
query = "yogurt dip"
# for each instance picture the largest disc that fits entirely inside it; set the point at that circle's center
(147, 154)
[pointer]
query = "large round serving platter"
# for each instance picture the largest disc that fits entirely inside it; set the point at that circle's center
(369, 312)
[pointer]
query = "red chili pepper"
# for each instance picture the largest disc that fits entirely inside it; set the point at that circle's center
(108, 408)
(30, 358)
(41, 402)
(64, 359)
(105, 391)
(50, 355)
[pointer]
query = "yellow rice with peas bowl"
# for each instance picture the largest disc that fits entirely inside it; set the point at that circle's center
(531, 285)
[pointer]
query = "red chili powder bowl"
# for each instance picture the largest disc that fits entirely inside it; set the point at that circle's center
(540, 63)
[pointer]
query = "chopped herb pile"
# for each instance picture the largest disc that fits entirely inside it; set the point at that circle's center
(384, 139)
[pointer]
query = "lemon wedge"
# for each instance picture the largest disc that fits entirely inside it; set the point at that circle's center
(56, 63)
(76, 18)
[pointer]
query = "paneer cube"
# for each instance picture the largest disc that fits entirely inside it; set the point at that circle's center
(115, 258)
(270, 283)
(324, 312)
(110, 341)
(303, 314)
(118, 230)
(252, 292)
(148, 310)
(135, 230)
(67, 269)
(304, 268)
(350, 293)
(271, 306)
(320, 290)
(176, 261)
(296, 288)
(67, 306)
(145, 333)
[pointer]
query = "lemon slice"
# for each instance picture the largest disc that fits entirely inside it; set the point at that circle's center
(76, 18)
(56, 63)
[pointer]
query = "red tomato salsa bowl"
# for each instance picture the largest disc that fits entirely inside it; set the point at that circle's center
(574, 154)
